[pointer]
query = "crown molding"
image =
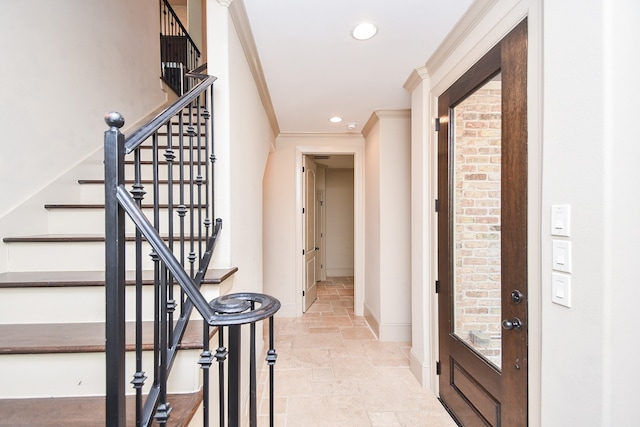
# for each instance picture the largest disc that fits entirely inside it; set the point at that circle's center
(225, 3)
(379, 114)
(474, 15)
(240, 20)
(416, 77)
(309, 135)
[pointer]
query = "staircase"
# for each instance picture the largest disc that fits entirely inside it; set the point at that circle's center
(52, 322)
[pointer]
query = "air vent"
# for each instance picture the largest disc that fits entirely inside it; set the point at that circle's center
(321, 157)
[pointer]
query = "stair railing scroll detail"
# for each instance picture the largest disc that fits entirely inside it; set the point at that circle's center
(179, 238)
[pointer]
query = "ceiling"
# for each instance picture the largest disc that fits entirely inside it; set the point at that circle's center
(314, 69)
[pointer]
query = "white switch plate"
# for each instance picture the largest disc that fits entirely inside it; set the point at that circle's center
(561, 289)
(561, 220)
(562, 255)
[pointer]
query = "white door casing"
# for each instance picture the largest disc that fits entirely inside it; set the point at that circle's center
(357, 150)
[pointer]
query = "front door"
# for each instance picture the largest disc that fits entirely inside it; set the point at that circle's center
(482, 238)
(310, 250)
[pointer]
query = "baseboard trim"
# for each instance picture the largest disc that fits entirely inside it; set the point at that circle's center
(372, 321)
(395, 332)
(420, 370)
(339, 272)
(287, 310)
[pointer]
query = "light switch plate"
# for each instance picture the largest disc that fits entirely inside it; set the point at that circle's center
(562, 255)
(561, 220)
(561, 289)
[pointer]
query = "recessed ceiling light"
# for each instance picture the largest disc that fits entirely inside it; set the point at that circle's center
(364, 31)
(335, 119)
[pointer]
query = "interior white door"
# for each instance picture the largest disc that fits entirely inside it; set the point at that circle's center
(310, 250)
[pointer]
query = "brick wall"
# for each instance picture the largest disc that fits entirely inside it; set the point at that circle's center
(477, 122)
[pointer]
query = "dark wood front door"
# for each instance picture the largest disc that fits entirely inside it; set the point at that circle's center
(482, 238)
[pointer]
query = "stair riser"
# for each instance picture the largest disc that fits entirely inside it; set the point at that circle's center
(69, 256)
(61, 304)
(83, 374)
(187, 156)
(94, 194)
(91, 221)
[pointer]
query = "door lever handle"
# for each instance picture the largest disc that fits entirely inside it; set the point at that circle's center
(510, 324)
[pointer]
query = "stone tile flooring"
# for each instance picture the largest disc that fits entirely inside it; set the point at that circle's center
(332, 371)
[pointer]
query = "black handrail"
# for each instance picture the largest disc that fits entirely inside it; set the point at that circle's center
(183, 30)
(178, 51)
(189, 120)
(136, 138)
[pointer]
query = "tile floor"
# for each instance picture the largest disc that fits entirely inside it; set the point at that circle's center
(332, 371)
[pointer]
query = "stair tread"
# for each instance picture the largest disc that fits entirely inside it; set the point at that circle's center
(99, 206)
(86, 411)
(132, 181)
(82, 337)
(40, 279)
(70, 238)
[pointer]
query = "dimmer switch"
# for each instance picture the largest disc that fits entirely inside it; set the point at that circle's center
(561, 289)
(561, 220)
(562, 255)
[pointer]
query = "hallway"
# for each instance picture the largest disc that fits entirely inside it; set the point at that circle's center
(332, 371)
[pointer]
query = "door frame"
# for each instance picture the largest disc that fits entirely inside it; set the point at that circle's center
(358, 213)
(478, 31)
(501, 393)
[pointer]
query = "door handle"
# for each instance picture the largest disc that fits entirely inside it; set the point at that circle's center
(510, 324)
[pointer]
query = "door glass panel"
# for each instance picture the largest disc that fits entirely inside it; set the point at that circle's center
(476, 220)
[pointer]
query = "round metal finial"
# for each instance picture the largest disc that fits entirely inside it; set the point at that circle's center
(114, 119)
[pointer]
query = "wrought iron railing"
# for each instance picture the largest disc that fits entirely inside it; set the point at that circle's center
(179, 239)
(178, 52)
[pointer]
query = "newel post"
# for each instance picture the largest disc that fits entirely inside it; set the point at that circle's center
(114, 272)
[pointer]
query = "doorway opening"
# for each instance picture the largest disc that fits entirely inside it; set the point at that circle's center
(328, 217)
(330, 237)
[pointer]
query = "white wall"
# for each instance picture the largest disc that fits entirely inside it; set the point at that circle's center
(249, 151)
(388, 223)
(622, 293)
(282, 226)
(423, 232)
(589, 162)
(372, 295)
(241, 155)
(339, 222)
(66, 64)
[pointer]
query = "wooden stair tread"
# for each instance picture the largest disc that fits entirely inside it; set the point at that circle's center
(100, 206)
(82, 337)
(86, 411)
(41, 279)
(77, 238)
(131, 181)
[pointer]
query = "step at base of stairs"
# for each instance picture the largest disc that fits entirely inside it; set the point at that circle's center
(86, 411)
(45, 279)
(83, 337)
